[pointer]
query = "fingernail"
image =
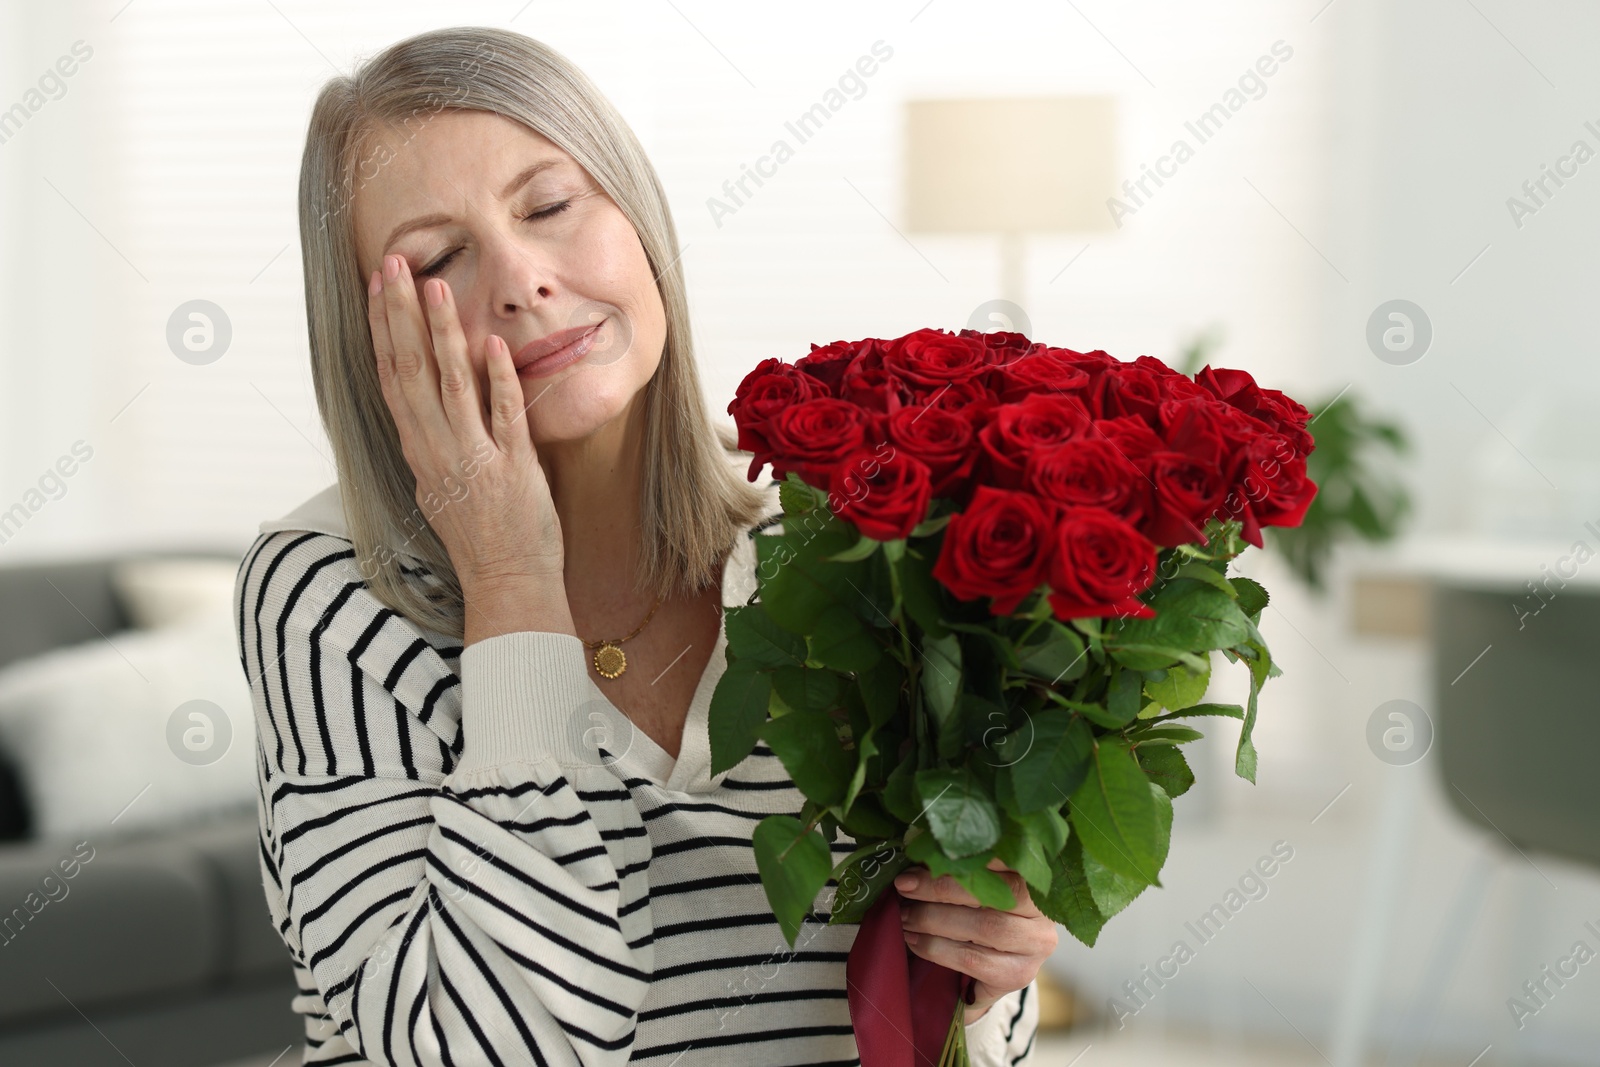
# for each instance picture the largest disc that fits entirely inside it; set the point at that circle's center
(905, 881)
(911, 937)
(375, 284)
(391, 267)
(435, 292)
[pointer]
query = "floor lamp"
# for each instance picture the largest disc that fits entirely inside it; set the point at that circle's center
(1010, 165)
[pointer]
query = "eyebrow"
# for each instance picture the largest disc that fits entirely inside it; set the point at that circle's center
(422, 222)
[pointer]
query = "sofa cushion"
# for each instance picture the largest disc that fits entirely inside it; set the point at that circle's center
(150, 727)
(66, 603)
(15, 820)
(251, 942)
(104, 918)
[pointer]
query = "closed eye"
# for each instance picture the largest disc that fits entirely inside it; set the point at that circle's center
(439, 264)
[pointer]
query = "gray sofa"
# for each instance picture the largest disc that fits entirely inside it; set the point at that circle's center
(161, 951)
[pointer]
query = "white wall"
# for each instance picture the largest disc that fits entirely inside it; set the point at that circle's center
(1375, 165)
(179, 141)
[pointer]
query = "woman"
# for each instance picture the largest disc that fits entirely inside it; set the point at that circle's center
(482, 662)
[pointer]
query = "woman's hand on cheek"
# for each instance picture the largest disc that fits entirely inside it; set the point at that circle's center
(1001, 950)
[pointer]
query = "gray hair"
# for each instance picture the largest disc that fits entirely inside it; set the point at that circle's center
(692, 499)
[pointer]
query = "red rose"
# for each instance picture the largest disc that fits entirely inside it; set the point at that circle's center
(1125, 389)
(934, 357)
(1186, 492)
(1044, 371)
(1292, 418)
(815, 436)
(874, 388)
(1181, 387)
(1002, 347)
(1270, 406)
(770, 388)
(1210, 431)
(1234, 386)
(1157, 367)
(1274, 489)
(942, 440)
(969, 399)
(1098, 358)
(998, 547)
(827, 363)
(885, 493)
(1099, 566)
(1089, 472)
(1131, 436)
(1037, 421)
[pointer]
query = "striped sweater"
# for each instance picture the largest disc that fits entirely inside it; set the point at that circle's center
(548, 886)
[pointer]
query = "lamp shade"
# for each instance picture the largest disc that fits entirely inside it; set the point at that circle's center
(1010, 164)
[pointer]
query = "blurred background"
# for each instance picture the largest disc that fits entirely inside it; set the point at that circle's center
(1386, 209)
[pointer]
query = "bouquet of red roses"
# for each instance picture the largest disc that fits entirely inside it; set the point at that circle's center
(1001, 573)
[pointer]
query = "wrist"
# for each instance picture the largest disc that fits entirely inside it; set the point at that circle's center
(501, 606)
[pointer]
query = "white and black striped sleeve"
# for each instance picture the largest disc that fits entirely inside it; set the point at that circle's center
(1004, 1035)
(464, 896)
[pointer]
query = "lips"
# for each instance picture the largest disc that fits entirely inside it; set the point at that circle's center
(544, 346)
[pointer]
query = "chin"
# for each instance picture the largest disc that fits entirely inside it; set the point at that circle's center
(571, 408)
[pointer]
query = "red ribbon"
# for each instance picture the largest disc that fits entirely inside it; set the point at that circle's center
(900, 1004)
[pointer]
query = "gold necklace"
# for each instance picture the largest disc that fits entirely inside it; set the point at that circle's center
(609, 660)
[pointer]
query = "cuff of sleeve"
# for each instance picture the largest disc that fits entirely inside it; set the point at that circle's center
(986, 1038)
(521, 700)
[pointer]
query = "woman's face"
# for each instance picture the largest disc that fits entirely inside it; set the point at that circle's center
(529, 245)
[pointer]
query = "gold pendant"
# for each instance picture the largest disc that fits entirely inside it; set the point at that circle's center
(609, 660)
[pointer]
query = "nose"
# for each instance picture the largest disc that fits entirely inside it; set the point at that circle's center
(520, 275)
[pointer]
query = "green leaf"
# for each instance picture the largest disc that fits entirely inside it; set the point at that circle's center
(929, 527)
(796, 585)
(921, 593)
(1153, 657)
(1057, 749)
(1167, 768)
(1114, 815)
(1167, 735)
(860, 550)
(1232, 711)
(1244, 760)
(1123, 696)
(1180, 686)
(900, 790)
(1112, 890)
(866, 748)
(796, 497)
(794, 866)
(1049, 828)
(738, 710)
(1095, 713)
(960, 812)
(880, 686)
(1252, 598)
(1205, 572)
(941, 685)
(868, 819)
(1070, 901)
(1060, 656)
(808, 688)
(1190, 615)
(754, 639)
(841, 641)
(991, 890)
(1023, 853)
(861, 877)
(808, 745)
